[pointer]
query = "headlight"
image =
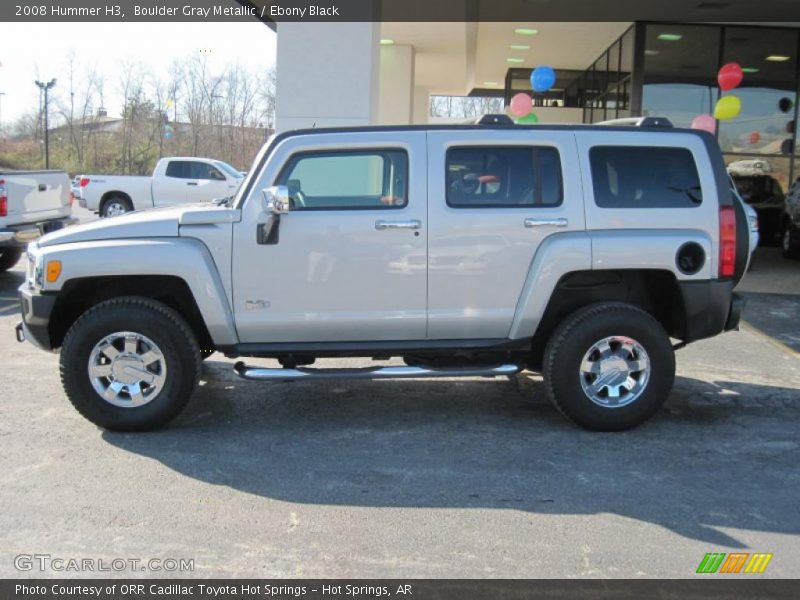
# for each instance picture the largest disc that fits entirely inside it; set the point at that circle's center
(38, 271)
(35, 270)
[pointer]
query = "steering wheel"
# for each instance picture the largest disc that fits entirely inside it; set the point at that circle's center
(467, 183)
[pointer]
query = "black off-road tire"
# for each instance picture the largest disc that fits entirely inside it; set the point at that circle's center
(789, 248)
(147, 317)
(576, 335)
(8, 258)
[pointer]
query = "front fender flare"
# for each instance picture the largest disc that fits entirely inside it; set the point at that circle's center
(185, 258)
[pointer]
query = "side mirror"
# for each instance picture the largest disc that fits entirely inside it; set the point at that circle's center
(276, 199)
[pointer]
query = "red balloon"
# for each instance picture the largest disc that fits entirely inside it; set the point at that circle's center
(730, 76)
(755, 137)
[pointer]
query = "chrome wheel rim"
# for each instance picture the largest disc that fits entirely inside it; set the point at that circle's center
(614, 371)
(114, 209)
(127, 369)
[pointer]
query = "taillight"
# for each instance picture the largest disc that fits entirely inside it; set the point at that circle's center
(3, 199)
(84, 181)
(727, 241)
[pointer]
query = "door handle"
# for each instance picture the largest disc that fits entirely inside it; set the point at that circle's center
(532, 223)
(191, 183)
(411, 224)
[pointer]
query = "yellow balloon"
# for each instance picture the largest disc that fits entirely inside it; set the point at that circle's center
(728, 107)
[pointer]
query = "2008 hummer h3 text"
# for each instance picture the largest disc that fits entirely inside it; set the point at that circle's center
(479, 250)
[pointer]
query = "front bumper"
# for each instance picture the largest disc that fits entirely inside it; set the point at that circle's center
(19, 236)
(36, 309)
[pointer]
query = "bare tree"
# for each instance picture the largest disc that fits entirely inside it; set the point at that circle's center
(464, 107)
(77, 109)
(193, 110)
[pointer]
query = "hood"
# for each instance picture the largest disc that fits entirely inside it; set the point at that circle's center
(158, 222)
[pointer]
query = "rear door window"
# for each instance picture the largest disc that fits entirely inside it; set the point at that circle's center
(644, 177)
(503, 177)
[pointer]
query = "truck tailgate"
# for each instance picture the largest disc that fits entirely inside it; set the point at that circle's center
(35, 196)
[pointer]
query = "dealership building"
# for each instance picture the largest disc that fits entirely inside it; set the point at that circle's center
(362, 73)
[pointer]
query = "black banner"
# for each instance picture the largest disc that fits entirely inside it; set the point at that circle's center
(275, 11)
(361, 589)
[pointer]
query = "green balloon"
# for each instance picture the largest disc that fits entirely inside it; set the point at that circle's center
(528, 119)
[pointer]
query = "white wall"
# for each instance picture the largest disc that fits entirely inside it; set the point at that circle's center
(422, 105)
(327, 74)
(396, 89)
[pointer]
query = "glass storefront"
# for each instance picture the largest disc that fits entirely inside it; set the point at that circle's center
(605, 86)
(680, 72)
(679, 81)
(670, 70)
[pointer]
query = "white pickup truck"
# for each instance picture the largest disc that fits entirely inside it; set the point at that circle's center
(32, 203)
(175, 181)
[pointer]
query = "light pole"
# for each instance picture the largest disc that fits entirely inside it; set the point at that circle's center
(45, 87)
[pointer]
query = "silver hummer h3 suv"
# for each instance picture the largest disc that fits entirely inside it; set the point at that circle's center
(586, 253)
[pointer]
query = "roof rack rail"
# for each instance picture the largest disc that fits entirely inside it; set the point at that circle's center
(499, 119)
(658, 122)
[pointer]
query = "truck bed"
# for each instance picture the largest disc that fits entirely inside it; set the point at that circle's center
(35, 196)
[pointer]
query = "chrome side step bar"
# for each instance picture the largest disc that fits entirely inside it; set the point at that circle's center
(396, 372)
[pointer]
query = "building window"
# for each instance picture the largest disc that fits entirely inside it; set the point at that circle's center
(511, 177)
(768, 93)
(680, 71)
(606, 84)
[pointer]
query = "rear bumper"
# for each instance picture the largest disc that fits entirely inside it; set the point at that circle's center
(19, 236)
(710, 307)
(735, 314)
(36, 309)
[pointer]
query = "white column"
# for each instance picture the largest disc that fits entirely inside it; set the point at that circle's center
(395, 98)
(327, 74)
(422, 105)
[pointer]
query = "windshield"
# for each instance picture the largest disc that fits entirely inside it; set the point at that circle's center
(227, 168)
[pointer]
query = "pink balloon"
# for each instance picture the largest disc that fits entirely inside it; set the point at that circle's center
(706, 123)
(521, 105)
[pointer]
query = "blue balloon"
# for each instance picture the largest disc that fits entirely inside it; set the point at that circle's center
(543, 78)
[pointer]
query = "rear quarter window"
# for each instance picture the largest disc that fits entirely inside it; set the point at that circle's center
(177, 168)
(644, 177)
